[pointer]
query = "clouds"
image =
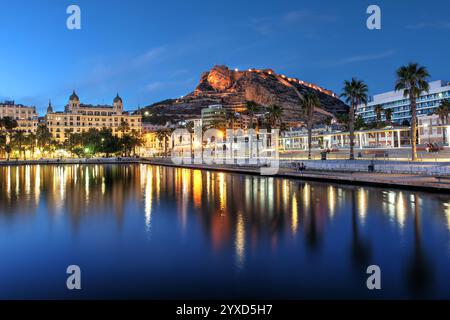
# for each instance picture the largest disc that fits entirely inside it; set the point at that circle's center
(156, 86)
(296, 18)
(152, 55)
(307, 16)
(135, 75)
(365, 57)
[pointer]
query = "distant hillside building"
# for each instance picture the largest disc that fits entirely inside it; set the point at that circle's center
(243, 121)
(150, 127)
(78, 118)
(214, 114)
(26, 117)
(401, 111)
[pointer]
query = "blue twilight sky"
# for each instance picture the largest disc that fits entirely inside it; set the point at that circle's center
(152, 50)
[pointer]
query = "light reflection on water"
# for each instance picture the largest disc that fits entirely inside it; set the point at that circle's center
(232, 235)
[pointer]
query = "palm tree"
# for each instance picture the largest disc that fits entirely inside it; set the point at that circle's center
(128, 143)
(74, 143)
(309, 102)
(232, 118)
(43, 137)
(124, 127)
(355, 93)
(30, 142)
(19, 141)
(190, 126)
(274, 114)
(252, 108)
(9, 124)
(359, 123)
(2, 143)
(138, 141)
(412, 79)
(328, 121)
(378, 111)
(344, 120)
(163, 135)
(217, 124)
(388, 115)
(442, 111)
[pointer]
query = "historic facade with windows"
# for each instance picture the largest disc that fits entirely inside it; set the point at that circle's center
(78, 118)
(26, 117)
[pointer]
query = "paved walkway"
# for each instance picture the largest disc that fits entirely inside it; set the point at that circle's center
(423, 182)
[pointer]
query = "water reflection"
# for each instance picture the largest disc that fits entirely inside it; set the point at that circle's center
(148, 194)
(250, 219)
(240, 241)
(420, 273)
(360, 246)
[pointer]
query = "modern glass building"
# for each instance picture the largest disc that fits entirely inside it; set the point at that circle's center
(394, 100)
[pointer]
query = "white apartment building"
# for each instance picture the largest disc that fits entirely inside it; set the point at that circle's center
(401, 111)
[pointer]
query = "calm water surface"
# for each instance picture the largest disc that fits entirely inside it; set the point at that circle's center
(141, 231)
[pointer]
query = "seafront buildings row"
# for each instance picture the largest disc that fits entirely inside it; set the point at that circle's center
(78, 117)
(399, 105)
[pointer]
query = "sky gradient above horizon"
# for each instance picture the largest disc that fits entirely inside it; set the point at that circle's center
(152, 51)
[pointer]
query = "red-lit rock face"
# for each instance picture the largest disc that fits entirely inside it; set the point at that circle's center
(232, 89)
(220, 78)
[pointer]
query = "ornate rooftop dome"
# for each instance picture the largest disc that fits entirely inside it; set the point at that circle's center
(49, 108)
(74, 96)
(117, 99)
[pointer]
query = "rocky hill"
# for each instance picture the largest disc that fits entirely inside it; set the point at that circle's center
(233, 88)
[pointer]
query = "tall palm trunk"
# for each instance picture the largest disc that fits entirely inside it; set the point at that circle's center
(165, 147)
(444, 129)
(8, 146)
(413, 129)
(352, 131)
(309, 140)
(310, 120)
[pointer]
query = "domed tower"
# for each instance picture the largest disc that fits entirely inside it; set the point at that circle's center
(74, 102)
(49, 108)
(118, 104)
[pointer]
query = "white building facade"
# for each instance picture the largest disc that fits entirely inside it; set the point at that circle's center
(432, 130)
(401, 111)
